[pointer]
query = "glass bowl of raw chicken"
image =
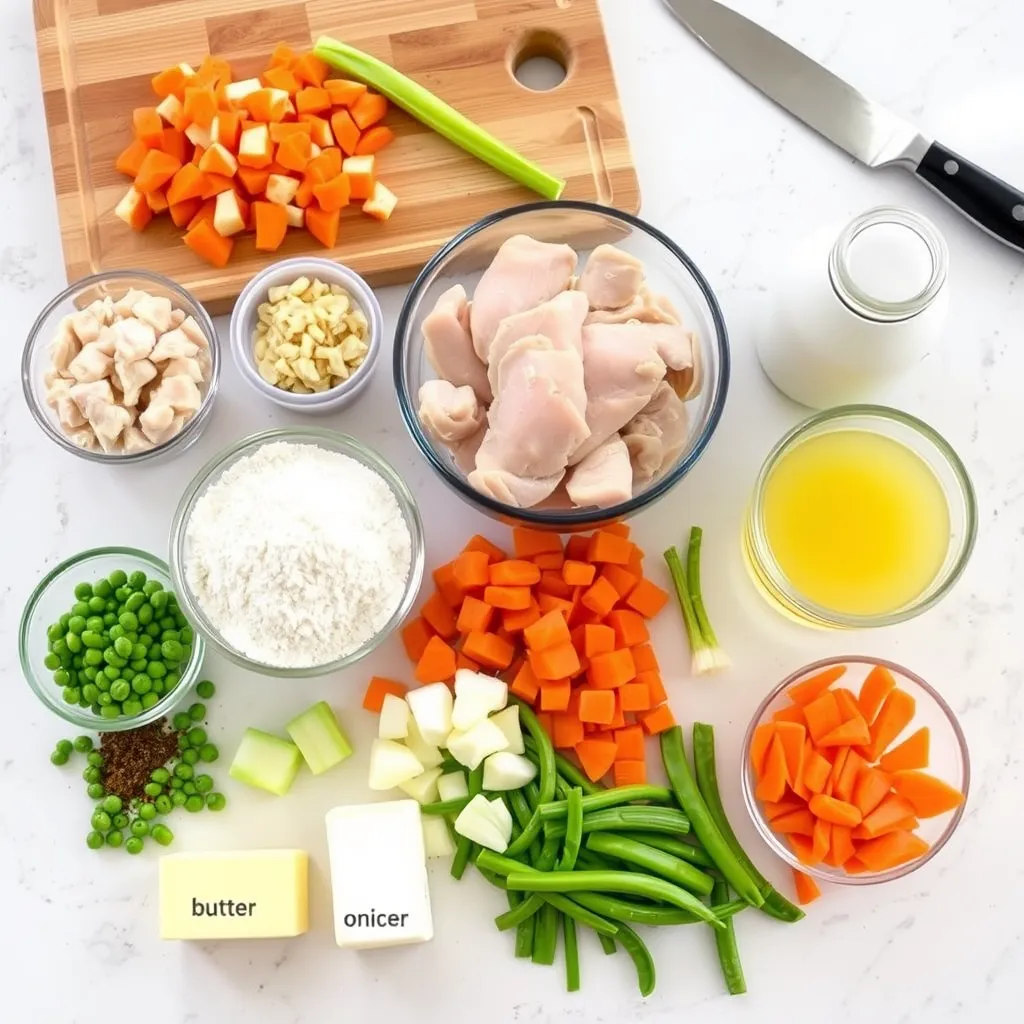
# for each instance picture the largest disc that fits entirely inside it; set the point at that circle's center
(121, 367)
(561, 364)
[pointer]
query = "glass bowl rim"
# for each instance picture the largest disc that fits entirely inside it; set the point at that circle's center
(211, 471)
(34, 337)
(72, 713)
(572, 518)
(753, 806)
(924, 431)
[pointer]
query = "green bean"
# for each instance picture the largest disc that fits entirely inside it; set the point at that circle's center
(573, 830)
(524, 937)
(611, 881)
(629, 912)
(572, 955)
(656, 862)
(677, 847)
(624, 819)
(545, 935)
(641, 957)
(607, 944)
(775, 904)
(515, 916)
(532, 793)
(546, 778)
(595, 862)
(496, 880)
(445, 806)
(566, 769)
(674, 757)
(463, 847)
(725, 943)
(610, 798)
(519, 807)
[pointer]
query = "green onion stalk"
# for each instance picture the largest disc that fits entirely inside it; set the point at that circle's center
(707, 655)
(436, 114)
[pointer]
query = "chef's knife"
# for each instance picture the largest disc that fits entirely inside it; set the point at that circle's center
(866, 130)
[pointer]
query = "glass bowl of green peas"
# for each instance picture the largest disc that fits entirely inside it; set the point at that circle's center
(103, 643)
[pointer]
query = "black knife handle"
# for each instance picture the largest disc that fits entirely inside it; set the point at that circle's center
(986, 199)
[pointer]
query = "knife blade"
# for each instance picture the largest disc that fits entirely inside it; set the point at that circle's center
(863, 128)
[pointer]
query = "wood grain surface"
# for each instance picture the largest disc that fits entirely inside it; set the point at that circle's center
(97, 57)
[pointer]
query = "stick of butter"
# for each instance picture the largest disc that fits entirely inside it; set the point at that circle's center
(379, 875)
(252, 894)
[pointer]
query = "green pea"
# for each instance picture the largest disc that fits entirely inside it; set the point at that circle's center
(100, 820)
(145, 641)
(128, 673)
(181, 721)
(83, 591)
(182, 742)
(118, 632)
(127, 619)
(80, 608)
(111, 710)
(170, 634)
(92, 774)
(216, 801)
(60, 648)
(64, 620)
(71, 695)
(96, 758)
(171, 680)
(115, 838)
(189, 789)
(139, 665)
(67, 660)
(91, 692)
(95, 791)
(93, 656)
(141, 683)
(147, 812)
(183, 771)
(152, 587)
(122, 646)
(162, 835)
(94, 840)
(61, 677)
(178, 798)
(197, 736)
(153, 630)
(145, 614)
(131, 708)
(120, 690)
(152, 789)
(194, 803)
(158, 687)
(208, 753)
(96, 604)
(171, 650)
(190, 756)
(197, 712)
(134, 845)
(55, 632)
(149, 700)
(118, 578)
(206, 689)
(180, 621)
(176, 783)
(83, 744)
(91, 638)
(119, 820)
(59, 757)
(111, 672)
(74, 642)
(64, 746)
(103, 685)
(159, 599)
(137, 580)
(51, 661)
(156, 669)
(95, 706)
(78, 662)
(186, 652)
(204, 783)
(163, 804)
(102, 588)
(111, 657)
(121, 594)
(112, 804)
(140, 827)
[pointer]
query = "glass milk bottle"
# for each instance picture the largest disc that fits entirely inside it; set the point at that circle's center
(855, 311)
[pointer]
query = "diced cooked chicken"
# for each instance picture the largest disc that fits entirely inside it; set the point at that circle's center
(58, 397)
(90, 396)
(154, 310)
(611, 278)
(85, 326)
(107, 422)
(135, 340)
(449, 414)
(657, 434)
(132, 377)
(646, 306)
(65, 346)
(560, 320)
(518, 491)
(620, 379)
(123, 306)
(537, 420)
(135, 440)
(159, 422)
(177, 317)
(194, 333)
(102, 309)
(688, 381)
(449, 346)
(107, 341)
(173, 344)
(523, 274)
(91, 364)
(673, 343)
(179, 392)
(189, 367)
(604, 478)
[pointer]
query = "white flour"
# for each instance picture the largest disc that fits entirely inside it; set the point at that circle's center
(298, 555)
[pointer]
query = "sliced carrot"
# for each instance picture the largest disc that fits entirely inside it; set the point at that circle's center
(448, 587)
(368, 109)
(837, 811)
(214, 184)
(578, 574)
(478, 542)
(911, 754)
(461, 661)
(812, 688)
(378, 689)
(323, 225)
(213, 71)
(848, 707)
(792, 713)
(206, 211)
(312, 100)
(803, 847)
(525, 684)
(841, 848)
(619, 717)
(156, 170)
(254, 179)
(647, 598)
(183, 212)
(636, 564)
(129, 160)
(548, 561)
(548, 603)
(283, 56)
(200, 105)
(551, 630)
(846, 780)
(597, 706)
(606, 546)
(157, 201)
(204, 241)
(855, 731)
(657, 719)
(551, 582)
(821, 839)
(797, 784)
(882, 826)
(596, 757)
(474, 614)
(528, 542)
(280, 77)
(772, 782)
(792, 736)
(514, 572)
(894, 716)
(799, 822)
(645, 658)
(870, 789)
(346, 133)
(555, 694)
(854, 867)
(513, 599)
(629, 772)
(439, 616)
(890, 850)
(928, 795)
(218, 159)
(608, 671)
(759, 744)
(822, 715)
(634, 697)
(567, 730)
(599, 639)
(517, 621)
(295, 151)
(170, 82)
(148, 125)
(629, 626)
(776, 809)
(470, 569)
(601, 597)
(343, 92)
(416, 635)
(816, 772)
(621, 579)
(630, 742)
(175, 143)
(187, 183)
(489, 649)
(560, 662)
(437, 662)
(877, 685)
(374, 139)
(271, 223)
(576, 546)
(807, 890)
(310, 69)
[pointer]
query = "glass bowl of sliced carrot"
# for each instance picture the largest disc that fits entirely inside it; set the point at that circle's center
(855, 770)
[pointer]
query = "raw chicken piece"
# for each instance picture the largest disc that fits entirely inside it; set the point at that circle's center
(449, 414)
(179, 392)
(604, 478)
(102, 309)
(464, 453)
(518, 491)
(611, 277)
(559, 320)
(523, 274)
(158, 422)
(173, 344)
(85, 326)
(124, 305)
(58, 397)
(657, 433)
(91, 364)
(194, 333)
(177, 317)
(537, 420)
(673, 343)
(132, 377)
(688, 381)
(65, 346)
(154, 310)
(620, 380)
(90, 396)
(646, 306)
(135, 440)
(135, 340)
(83, 437)
(107, 341)
(189, 367)
(449, 347)
(107, 422)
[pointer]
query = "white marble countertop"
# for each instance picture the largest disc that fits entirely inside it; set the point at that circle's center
(735, 182)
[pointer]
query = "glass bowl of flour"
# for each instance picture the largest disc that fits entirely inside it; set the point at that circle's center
(295, 552)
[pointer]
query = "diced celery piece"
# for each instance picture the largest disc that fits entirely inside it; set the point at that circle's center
(317, 734)
(265, 761)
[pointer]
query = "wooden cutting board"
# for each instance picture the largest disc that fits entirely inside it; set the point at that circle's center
(97, 57)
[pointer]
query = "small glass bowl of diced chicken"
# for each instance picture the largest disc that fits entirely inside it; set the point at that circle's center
(121, 367)
(306, 334)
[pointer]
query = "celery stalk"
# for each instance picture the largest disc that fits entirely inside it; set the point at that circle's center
(435, 113)
(714, 658)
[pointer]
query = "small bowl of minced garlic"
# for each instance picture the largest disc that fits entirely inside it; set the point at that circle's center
(306, 333)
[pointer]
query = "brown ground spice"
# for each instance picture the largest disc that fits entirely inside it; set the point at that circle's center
(130, 757)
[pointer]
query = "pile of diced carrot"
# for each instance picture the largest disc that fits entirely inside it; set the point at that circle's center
(289, 149)
(831, 785)
(566, 627)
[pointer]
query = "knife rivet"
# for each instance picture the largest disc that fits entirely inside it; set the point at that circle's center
(951, 167)
(1018, 212)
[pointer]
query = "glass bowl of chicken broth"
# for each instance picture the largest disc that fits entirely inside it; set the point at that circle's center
(121, 366)
(561, 364)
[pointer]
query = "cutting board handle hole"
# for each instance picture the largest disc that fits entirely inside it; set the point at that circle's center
(540, 61)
